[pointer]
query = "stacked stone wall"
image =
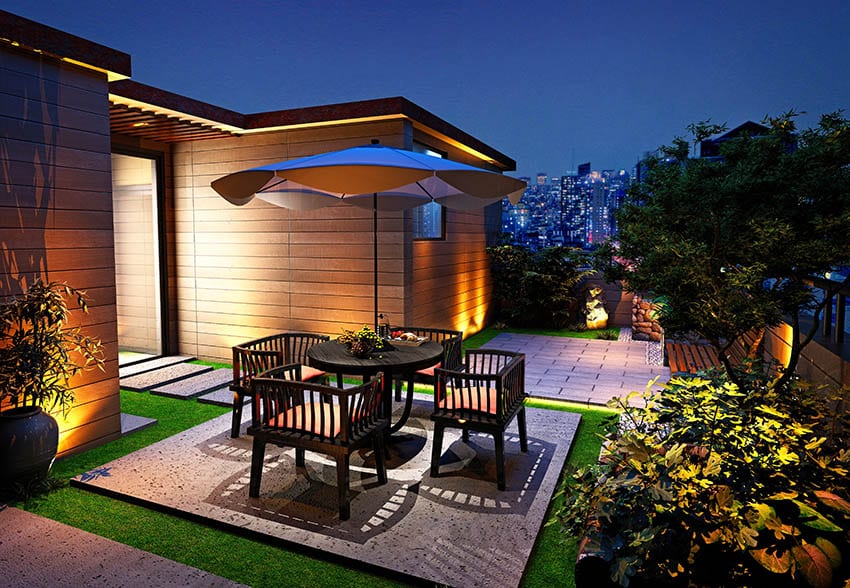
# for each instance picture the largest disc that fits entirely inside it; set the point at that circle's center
(644, 326)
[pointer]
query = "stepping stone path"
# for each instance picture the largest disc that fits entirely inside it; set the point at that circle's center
(222, 396)
(151, 365)
(197, 384)
(158, 378)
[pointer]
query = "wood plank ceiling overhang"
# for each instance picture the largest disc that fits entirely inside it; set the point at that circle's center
(165, 128)
(145, 112)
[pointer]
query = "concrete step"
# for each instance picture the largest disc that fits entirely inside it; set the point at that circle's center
(161, 377)
(131, 423)
(221, 397)
(195, 385)
(152, 364)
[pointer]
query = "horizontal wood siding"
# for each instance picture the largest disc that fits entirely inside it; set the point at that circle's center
(244, 272)
(450, 285)
(56, 213)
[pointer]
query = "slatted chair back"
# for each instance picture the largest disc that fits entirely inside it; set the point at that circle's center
(450, 340)
(324, 413)
(484, 395)
(490, 385)
(253, 357)
(315, 417)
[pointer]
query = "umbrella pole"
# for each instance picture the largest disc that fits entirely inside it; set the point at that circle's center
(375, 251)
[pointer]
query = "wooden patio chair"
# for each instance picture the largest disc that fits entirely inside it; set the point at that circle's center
(317, 417)
(259, 355)
(483, 395)
(452, 354)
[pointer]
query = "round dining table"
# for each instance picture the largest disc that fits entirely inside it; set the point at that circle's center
(393, 360)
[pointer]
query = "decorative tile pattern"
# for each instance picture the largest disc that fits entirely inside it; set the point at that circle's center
(456, 529)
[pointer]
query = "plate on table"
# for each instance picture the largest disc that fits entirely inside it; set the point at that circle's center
(408, 342)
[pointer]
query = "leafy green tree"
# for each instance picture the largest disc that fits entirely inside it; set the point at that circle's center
(730, 242)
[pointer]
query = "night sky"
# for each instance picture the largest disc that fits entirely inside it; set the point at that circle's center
(551, 84)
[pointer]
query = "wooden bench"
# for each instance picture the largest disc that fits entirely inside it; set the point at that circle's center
(687, 358)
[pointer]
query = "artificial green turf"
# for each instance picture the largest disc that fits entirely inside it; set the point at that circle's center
(480, 338)
(197, 545)
(594, 334)
(552, 562)
(235, 557)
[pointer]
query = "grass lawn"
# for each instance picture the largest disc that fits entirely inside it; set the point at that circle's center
(481, 337)
(236, 557)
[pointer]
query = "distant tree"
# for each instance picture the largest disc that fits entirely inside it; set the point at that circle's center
(729, 242)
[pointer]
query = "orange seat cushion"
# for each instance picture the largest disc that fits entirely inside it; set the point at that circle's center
(429, 371)
(310, 419)
(467, 399)
(309, 373)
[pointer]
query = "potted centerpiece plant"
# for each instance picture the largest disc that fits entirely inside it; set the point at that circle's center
(361, 343)
(39, 354)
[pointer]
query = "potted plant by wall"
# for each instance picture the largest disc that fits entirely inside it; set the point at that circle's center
(39, 355)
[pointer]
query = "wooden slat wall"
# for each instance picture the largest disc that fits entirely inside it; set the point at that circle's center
(451, 279)
(450, 283)
(244, 272)
(56, 213)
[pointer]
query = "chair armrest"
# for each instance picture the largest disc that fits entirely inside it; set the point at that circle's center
(324, 412)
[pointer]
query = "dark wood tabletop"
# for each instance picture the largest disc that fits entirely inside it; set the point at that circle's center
(334, 357)
(393, 360)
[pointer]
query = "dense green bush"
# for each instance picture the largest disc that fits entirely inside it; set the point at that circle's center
(710, 484)
(536, 289)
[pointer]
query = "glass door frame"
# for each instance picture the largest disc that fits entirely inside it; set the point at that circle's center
(158, 158)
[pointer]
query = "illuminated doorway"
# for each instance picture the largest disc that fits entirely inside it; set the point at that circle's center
(138, 286)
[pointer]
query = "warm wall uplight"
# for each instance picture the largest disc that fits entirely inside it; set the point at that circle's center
(473, 311)
(779, 346)
(74, 428)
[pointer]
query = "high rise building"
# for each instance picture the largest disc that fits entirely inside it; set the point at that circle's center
(575, 209)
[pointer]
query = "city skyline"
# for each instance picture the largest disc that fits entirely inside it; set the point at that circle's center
(551, 84)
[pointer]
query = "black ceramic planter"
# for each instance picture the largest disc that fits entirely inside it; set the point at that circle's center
(29, 438)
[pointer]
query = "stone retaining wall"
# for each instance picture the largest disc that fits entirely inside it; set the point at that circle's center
(644, 326)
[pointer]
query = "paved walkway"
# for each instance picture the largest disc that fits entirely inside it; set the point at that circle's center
(581, 370)
(38, 552)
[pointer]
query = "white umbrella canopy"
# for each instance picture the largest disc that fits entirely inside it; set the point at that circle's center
(370, 176)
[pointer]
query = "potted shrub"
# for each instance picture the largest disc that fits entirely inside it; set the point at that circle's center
(709, 484)
(39, 354)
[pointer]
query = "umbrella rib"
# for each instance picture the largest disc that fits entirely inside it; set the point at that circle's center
(268, 187)
(427, 193)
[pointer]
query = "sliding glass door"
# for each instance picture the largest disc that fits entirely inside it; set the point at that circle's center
(138, 265)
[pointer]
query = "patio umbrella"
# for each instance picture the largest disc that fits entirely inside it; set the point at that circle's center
(370, 176)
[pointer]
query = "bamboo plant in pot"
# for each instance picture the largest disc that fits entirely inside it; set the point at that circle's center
(39, 355)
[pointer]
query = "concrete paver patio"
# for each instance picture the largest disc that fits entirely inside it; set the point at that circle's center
(582, 370)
